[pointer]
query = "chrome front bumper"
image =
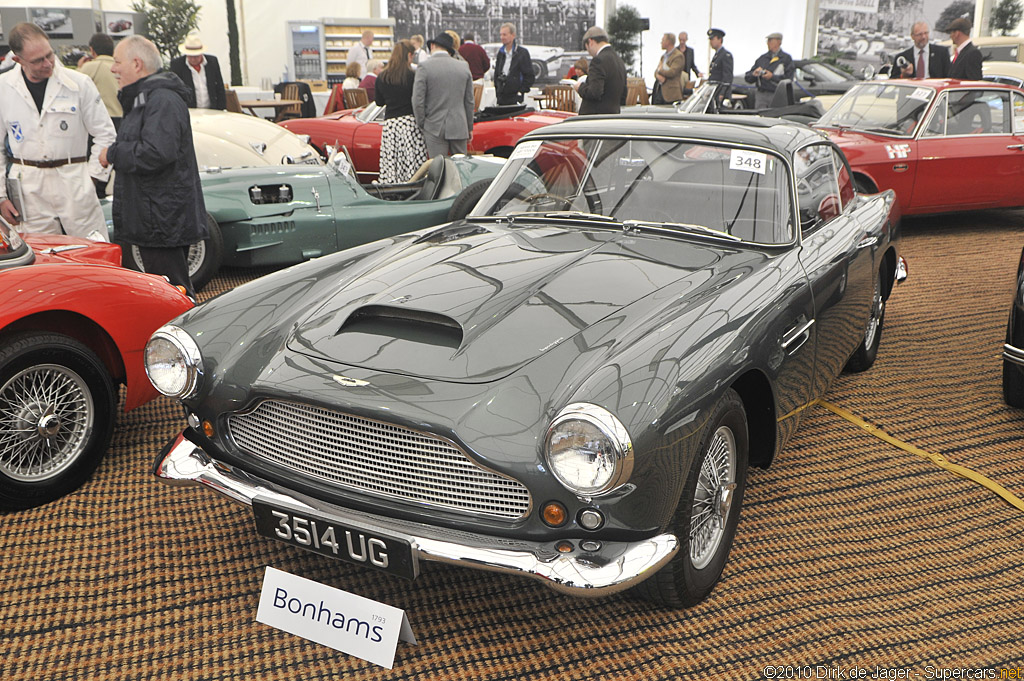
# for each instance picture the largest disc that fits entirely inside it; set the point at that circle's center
(1013, 354)
(614, 567)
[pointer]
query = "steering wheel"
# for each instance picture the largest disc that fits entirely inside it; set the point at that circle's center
(537, 198)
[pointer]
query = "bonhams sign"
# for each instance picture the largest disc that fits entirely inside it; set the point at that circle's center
(866, 6)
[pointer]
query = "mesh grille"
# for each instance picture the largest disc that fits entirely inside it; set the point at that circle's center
(374, 457)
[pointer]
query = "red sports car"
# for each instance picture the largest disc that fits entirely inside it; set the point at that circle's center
(942, 145)
(495, 131)
(72, 326)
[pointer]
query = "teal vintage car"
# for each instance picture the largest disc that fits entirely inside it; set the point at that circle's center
(280, 215)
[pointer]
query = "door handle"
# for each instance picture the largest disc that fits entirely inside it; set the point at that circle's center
(795, 338)
(1015, 146)
(867, 242)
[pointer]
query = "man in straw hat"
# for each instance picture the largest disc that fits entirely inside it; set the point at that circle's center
(201, 74)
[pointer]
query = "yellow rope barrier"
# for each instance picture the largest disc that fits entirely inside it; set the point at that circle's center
(938, 459)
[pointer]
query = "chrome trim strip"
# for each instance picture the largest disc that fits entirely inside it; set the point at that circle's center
(617, 566)
(1013, 354)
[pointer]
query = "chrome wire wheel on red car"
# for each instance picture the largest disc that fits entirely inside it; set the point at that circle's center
(56, 418)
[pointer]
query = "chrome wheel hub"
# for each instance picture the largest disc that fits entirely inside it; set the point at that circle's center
(875, 315)
(46, 418)
(713, 498)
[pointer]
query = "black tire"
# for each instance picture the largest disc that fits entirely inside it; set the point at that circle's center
(867, 351)
(540, 69)
(1013, 384)
(467, 199)
(704, 546)
(57, 406)
(204, 258)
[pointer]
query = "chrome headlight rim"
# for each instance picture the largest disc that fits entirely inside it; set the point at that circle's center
(612, 429)
(189, 351)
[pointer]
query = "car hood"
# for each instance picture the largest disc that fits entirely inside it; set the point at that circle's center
(473, 303)
(866, 147)
(231, 140)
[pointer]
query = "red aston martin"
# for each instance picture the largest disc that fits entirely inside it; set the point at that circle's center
(495, 131)
(72, 327)
(942, 145)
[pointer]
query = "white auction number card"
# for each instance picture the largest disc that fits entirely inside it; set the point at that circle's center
(332, 617)
(750, 161)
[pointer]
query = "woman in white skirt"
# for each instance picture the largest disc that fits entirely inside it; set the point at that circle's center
(402, 149)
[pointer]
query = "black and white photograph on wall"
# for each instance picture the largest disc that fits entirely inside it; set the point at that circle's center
(860, 33)
(550, 29)
(119, 24)
(56, 23)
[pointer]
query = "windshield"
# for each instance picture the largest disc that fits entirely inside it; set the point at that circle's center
(820, 73)
(883, 107)
(698, 101)
(370, 112)
(681, 185)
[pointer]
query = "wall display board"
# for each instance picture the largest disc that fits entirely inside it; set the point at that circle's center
(119, 24)
(870, 32)
(553, 23)
(69, 29)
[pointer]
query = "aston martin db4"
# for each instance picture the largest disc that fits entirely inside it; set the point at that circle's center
(941, 145)
(570, 383)
(72, 327)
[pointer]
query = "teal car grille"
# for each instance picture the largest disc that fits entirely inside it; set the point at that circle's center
(273, 227)
(376, 458)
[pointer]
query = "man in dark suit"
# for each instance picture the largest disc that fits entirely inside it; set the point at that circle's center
(966, 64)
(923, 60)
(201, 74)
(442, 99)
(690, 66)
(513, 70)
(604, 89)
(720, 68)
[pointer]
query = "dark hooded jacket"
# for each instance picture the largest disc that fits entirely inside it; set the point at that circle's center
(158, 198)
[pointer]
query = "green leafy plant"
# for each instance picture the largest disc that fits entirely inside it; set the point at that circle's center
(1006, 16)
(955, 10)
(624, 27)
(168, 22)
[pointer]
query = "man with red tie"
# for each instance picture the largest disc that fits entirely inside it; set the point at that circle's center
(967, 58)
(923, 60)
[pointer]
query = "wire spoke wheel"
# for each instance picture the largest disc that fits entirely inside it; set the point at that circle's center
(46, 418)
(713, 497)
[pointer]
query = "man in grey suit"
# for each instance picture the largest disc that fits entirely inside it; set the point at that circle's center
(442, 99)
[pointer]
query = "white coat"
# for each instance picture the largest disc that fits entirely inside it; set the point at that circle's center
(72, 110)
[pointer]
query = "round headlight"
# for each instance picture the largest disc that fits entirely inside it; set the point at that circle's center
(173, 362)
(588, 450)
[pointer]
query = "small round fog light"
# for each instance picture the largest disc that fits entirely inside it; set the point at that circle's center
(591, 546)
(564, 547)
(591, 519)
(554, 514)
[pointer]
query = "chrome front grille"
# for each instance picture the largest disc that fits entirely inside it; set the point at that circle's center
(376, 458)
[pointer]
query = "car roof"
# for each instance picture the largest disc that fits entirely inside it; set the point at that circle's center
(943, 83)
(773, 133)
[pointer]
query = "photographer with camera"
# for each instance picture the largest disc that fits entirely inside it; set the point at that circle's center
(513, 70)
(771, 67)
(922, 60)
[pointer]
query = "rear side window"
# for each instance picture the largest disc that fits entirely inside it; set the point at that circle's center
(817, 186)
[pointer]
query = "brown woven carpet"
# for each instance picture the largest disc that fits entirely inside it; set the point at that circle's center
(849, 551)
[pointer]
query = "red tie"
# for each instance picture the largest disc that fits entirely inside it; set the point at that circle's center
(956, 53)
(920, 64)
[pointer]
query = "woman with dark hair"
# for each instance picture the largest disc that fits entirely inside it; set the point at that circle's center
(402, 149)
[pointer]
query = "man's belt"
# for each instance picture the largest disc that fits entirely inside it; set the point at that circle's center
(50, 164)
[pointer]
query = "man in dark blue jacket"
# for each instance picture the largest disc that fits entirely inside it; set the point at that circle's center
(158, 198)
(513, 75)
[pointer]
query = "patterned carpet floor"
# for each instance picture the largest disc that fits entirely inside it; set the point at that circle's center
(849, 553)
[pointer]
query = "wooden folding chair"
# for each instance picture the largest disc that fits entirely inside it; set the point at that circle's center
(231, 98)
(355, 97)
(478, 94)
(636, 92)
(336, 101)
(560, 98)
(290, 91)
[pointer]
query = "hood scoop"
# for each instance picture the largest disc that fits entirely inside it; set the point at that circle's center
(400, 323)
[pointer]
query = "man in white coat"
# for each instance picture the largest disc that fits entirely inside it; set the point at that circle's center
(47, 113)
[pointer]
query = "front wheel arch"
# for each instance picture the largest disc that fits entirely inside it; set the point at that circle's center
(864, 184)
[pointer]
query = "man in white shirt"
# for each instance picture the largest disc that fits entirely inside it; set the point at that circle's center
(362, 51)
(48, 113)
(201, 74)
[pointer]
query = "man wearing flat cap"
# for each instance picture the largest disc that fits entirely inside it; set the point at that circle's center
(442, 99)
(771, 67)
(966, 59)
(720, 69)
(604, 90)
(201, 74)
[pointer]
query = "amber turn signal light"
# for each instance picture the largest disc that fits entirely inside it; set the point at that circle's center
(208, 428)
(554, 514)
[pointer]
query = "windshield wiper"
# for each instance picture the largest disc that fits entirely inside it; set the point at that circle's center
(579, 214)
(550, 215)
(676, 226)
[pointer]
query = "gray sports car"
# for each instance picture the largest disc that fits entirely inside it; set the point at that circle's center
(570, 383)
